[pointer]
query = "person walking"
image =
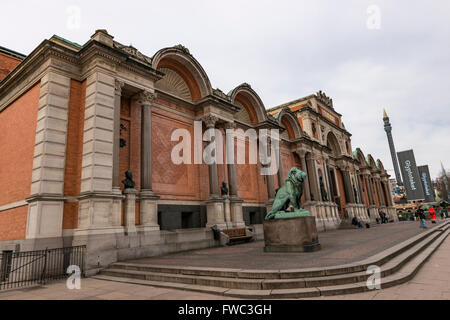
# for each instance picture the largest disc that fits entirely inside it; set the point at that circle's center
(432, 214)
(421, 216)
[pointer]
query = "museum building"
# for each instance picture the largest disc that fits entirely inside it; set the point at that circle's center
(74, 118)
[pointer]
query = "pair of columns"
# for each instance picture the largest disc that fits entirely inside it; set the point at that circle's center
(219, 210)
(348, 187)
(388, 193)
(360, 188)
(370, 190)
(148, 200)
(310, 185)
(380, 192)
(375, 189)
(210, 122)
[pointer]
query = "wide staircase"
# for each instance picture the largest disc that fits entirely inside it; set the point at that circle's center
(398, 264)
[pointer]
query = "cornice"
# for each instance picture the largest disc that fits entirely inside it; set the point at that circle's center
(118, 57)
(218, 102)
(317, 114)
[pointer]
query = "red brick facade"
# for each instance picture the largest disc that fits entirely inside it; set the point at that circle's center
(18, 126)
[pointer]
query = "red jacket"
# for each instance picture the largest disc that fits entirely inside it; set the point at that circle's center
(432, 213)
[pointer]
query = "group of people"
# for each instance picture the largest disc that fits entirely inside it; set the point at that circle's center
(383, 217)
(420, 213)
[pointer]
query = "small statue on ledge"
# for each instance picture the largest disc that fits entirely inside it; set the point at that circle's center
(322, 190)
(128, 183)
(224, 189)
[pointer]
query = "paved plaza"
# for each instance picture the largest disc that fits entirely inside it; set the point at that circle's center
(338, 247)
(432, 282)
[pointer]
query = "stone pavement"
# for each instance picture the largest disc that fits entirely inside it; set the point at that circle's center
(432, 282)
(338, 247)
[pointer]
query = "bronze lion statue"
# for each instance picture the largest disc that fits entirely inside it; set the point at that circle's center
(289, 194)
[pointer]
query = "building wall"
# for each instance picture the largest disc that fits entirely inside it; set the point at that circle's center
(7, 64)
(171, 181)
(18, 125)
(13, 223)
(252, 186)
(74, 152)
(18, 131)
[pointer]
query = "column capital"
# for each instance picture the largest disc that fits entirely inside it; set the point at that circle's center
(146, 97)
(229, 125)
(118, 85)
(210, 120)
(300, 153)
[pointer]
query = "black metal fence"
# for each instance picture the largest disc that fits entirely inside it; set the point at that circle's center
(21, 269)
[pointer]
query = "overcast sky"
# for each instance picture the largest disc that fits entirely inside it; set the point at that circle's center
(366, 55)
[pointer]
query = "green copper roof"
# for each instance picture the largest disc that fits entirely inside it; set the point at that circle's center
(12, 53)
(276, 115)
(68, 42)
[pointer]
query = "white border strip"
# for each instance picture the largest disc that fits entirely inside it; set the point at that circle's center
(13, 205)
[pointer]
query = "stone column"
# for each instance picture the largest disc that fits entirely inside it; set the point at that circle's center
(148, 199)
(46, 201)
(310, 162)
(210, 122)
(306, 189)
(231, 167)
(237, 217)
(388, 194)
(375, 190)
(117, 200)
(116, 148)
(146, 99)
(380, 194)
(280, 170)
(361, 192)
(348, 187)
(215, 210)
(369, 190)
(96, 206)
(326, 181)
(331, 189)
(352, 188)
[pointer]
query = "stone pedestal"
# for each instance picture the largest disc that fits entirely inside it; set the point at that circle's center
(148, 211)
(373, 210)
(237, 215)
(116, 219)
(215, 215)
(291, 235)
(130, 210)
(45, 219)
(269, 205)
(227, 211)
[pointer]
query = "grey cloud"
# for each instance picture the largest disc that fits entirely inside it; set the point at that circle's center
(289, 49)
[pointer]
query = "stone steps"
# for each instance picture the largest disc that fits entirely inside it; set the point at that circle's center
(398, 264)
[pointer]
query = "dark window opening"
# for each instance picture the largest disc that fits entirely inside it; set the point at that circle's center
(187, 220)
(6, 264)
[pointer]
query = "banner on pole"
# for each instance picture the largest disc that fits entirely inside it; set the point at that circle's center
(425, 178)
(410, 173)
